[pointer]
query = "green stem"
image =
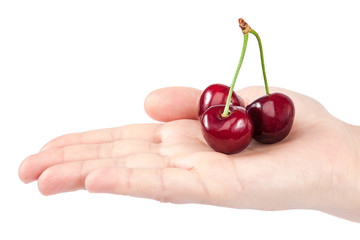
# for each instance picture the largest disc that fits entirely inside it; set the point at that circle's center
(227, 106)
(262, 60)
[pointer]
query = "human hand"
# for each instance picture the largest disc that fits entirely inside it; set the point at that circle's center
(315, 167)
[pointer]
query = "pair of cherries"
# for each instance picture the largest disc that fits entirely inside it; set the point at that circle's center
(228, 126)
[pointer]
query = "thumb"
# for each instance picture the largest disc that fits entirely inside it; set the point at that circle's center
(172, 103)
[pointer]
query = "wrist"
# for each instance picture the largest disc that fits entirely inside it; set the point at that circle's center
(346, 196)
(353, 187)
(356, 134)
(356, 169)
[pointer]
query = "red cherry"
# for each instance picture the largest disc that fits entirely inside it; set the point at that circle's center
(229, 134)
(217, 94)
(273, 116)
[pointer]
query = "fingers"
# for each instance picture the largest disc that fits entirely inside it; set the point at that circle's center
(33, 166)
(144, 132)
(71, 176)
(166, 185)
(104, 143)
(172, 103)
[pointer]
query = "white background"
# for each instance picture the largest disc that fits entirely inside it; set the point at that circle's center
(69, 66)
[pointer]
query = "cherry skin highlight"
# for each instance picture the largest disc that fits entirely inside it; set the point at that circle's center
(217, 94)
(230, 134)
(273, 116)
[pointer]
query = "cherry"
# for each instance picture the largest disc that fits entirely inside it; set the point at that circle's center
(273, 117)
(226, 128)
(229, 134)
(273, 114)
(217, 94)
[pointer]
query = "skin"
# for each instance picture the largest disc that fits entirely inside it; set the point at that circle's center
(315, 167)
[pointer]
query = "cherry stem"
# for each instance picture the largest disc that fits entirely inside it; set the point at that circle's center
(227, 106)
(262, 60)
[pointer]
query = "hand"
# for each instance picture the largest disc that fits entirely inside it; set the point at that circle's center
(316, 167)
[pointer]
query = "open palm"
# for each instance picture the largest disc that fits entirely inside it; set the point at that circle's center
(171, 162)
